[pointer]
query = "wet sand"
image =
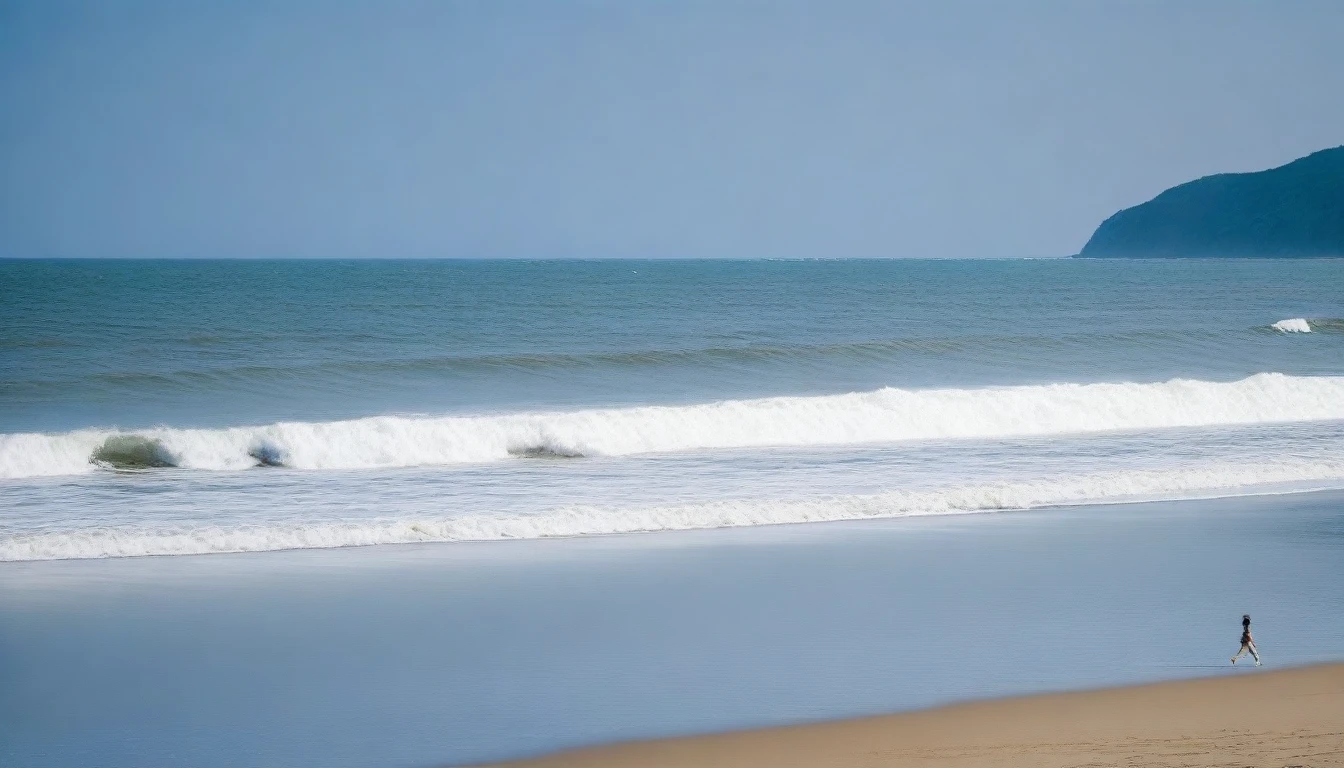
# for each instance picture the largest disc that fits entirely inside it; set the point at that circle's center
(438, 654)
(1259, 718)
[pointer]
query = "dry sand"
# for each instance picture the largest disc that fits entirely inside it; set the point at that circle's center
(1279, 719)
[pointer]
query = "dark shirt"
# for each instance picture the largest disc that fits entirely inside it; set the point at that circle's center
(1245, 636)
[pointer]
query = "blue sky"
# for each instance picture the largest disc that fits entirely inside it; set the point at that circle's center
(636, 129)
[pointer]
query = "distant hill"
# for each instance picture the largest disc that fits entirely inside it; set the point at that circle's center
(1293, 211)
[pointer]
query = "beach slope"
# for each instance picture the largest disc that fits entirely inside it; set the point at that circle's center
(1284, 718)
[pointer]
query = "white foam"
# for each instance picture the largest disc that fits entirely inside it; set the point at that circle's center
(567, 521)
(885, 415)
(1292, 325)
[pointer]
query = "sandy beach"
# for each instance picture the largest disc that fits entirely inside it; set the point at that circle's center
(1283, 718)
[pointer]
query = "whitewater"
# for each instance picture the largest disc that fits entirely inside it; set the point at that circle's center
(885, 415)
(187, 408)
(1197, 481)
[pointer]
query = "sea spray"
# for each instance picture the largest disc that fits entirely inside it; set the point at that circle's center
(1292, 325)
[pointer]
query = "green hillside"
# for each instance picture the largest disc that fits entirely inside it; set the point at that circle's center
(1293, 211)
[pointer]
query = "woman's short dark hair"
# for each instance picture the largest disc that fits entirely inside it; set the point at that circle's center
(1245, 619)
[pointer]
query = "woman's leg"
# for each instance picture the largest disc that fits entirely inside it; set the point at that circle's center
(1254, 654)
(1244, 649)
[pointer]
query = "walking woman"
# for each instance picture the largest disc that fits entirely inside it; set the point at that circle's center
(1247, 642)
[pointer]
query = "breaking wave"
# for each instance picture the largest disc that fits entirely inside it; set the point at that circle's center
(569, 521)
(1292, 325)
(129, 452)
(885, 415)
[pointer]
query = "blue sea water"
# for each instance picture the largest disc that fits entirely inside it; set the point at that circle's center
(179, 407)
(184, 408)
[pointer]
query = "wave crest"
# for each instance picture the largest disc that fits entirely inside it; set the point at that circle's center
(1292, 325)
(885, 415)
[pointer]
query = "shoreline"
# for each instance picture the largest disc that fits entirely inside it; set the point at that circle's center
(463, 655)
(1290, 717)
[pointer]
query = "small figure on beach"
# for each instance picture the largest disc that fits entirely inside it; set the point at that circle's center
(1247, 642)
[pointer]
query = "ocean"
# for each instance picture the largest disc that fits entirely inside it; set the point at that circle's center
(590, 496)
(191, 407)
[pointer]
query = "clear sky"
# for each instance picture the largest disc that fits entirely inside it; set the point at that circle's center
(639, 129)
